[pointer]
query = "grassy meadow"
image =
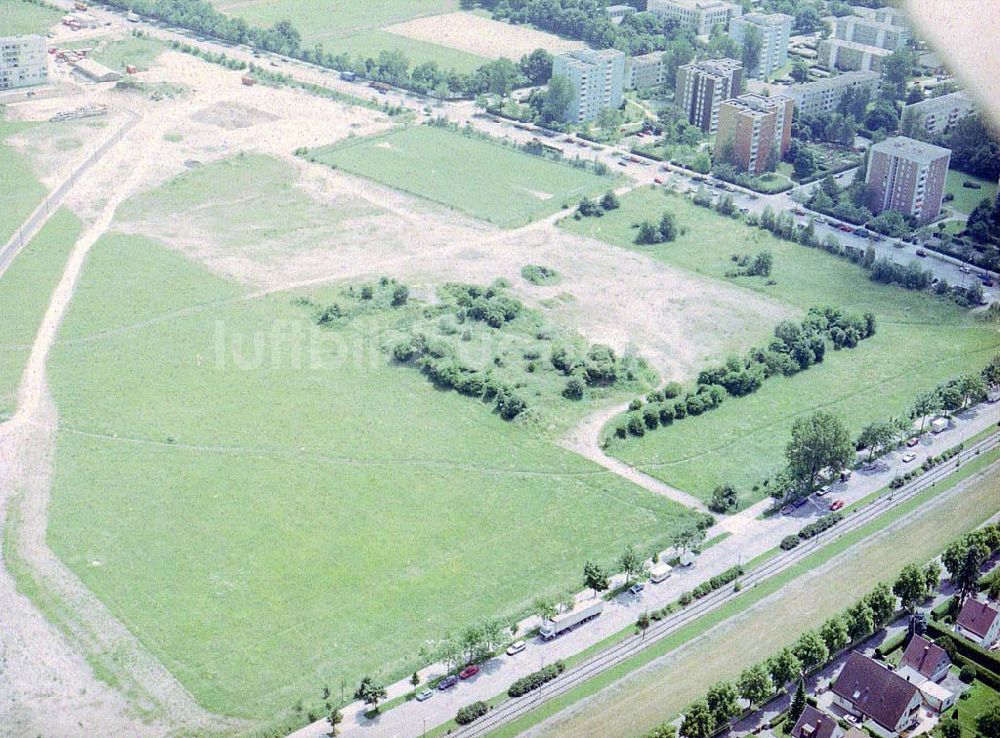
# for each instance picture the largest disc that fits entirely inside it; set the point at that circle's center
(369, 43)
(131, 50)
(486, 180)
(24, 295)
(18, 17)
(921, 340)
(966, 198)
(20, 190)
(271, 506)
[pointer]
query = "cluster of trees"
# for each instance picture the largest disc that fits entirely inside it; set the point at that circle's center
(599, 366)
(974, 150)
(850, 203)
(984, 227)
(965, 557)
(653, 233)
(813, 649)
(469, 713)
(757, 265)
(538, 274)
(597, 208)
(536, 679)
(486, 304)
(795, 347)
(439, 362)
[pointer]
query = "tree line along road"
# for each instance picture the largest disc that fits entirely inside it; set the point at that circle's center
(515, 708)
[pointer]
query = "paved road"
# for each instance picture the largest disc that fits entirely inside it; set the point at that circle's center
(40, 216)
(748, 537)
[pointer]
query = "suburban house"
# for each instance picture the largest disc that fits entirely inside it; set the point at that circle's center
(814, 723)
(883, 700)
(923, 661)
(979, 622)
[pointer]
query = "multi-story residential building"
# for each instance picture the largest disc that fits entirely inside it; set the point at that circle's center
(907, 176)
(888, 14)
(702, 86)
(824, 95)
(848, 56)
(618, 13)
(23, 61)
(751, 127)
(871, 32)
(775, 29)
(645, 71)
(596, 78)
(700, 16)
(936, 114)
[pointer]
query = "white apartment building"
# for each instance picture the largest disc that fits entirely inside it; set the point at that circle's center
(644, 72)
(701, 16)
(23, 61)
(597, 79)
(823, 96)
(936, 114)
(775, 30)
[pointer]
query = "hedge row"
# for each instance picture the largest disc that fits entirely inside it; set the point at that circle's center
(706, 588)
(536, 679)
(790, 542)
(963, 652)
(824, 523)
(929, 463)
(470, 712)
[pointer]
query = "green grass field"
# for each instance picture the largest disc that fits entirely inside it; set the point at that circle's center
(20, 190)
(645, 698)
(139, 52)
(967, 198)
(486, 180)
(921, 340)
(17, 17)
(369, 43)
(24, 294)
(981, 698)
(320, 21)
(270, 522)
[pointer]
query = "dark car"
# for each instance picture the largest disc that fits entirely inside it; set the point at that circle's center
(860, 232)
(921, 253)
(448, 682)
(469, 671)
(800, 502)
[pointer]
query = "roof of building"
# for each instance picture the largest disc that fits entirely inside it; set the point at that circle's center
(813, 723)
(839, 80)
(765, 19)
(699, 4)
(876, 692)
(977, 617)
(924, 657)
(934, 690)
(95, 70)
(854, 45)
(943, 101)
(911, 148)
(855, 733)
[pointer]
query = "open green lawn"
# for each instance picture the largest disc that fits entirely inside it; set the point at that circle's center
(24, 294)
(369, 43)
(646, 697)
(18, 17)
(967, 198)
(322, 21)
(981, 698)
(921, 340)
(272, 507)
(131, 50)
(20, 190)
(486, 180)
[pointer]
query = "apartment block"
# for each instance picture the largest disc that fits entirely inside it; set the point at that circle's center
(597, 79)
(888, 14)
(871, 32)
(23, 61)
(936, 114)
(644, 72)
(775, 30)
(618, 13)
(754, 126)
(702, 86)
(824, 95)
(700, 16)
(849, 56)
(907, 176)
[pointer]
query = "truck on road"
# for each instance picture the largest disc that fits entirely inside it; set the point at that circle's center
(558, 624)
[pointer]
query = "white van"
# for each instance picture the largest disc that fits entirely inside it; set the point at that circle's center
(659, 572)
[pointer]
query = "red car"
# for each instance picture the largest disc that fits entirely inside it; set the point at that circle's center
(657, 180)
(468, 672)
(912, 442)
(836, 505)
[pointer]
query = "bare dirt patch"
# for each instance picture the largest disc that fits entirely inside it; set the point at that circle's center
(232, 116)
(481, 36)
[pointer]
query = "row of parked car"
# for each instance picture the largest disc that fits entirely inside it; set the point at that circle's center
(467, 673)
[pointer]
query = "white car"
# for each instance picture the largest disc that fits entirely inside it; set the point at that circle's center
(516, 647)
(907, 458)
(821, 492)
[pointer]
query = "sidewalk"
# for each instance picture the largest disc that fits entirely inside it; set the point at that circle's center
(749, 537)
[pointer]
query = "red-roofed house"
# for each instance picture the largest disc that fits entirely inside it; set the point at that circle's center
(979, 622)
(885, 701)
(813, 723)
(923, 660)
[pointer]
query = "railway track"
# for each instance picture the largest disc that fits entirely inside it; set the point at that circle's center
(620, 652)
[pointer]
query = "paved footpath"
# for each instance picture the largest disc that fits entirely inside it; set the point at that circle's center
(749, 537)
